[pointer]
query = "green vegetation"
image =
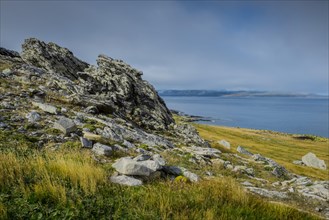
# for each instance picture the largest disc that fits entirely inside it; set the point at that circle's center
(283, 148)
(68, 184)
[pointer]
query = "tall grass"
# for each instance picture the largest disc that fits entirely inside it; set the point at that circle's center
(68, 184)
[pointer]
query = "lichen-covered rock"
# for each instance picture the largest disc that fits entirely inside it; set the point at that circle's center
(52, 58)
(112, 86)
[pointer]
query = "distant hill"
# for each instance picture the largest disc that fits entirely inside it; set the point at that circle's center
(228, 93)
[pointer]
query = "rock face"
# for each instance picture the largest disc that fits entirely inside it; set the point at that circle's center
(52, 58)
(47, 108)
(311, 160)
(111, 87)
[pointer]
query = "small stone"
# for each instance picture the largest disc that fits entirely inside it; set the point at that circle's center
(6, 72)
(86, 143)
(91, 110)
(225, 144)
(172, 170)
(298, 162)
(63, 110)
(65, 125)
(33, 117)
(242, 150)
(246, 183)
(126, 180)
(128, 144)
(102, 149)
(142, 157)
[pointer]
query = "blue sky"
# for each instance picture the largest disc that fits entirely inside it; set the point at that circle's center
(254, 45)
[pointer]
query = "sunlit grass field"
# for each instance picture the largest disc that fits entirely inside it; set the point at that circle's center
(283, 148)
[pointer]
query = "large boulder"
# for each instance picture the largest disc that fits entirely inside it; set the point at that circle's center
(129, 166)
(311, 160)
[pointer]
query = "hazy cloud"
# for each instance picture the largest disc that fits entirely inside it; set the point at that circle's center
(274, 45)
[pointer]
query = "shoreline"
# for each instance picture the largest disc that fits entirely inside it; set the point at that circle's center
(197, 118)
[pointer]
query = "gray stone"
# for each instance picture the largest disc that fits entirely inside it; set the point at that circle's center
(203, 151)
(142, 157)
(225, 144)
(86, 143)
(102, 149)
(128, 144)
(244, 169)
(33, 117)
(172, 170)
(126, 180)
(298, 162)
(3, 125)
(268, 193)
(45, 107)
(189, 175)
(242, 150)
(7, 72)
(65, 125)
(246, 183)
(311, 160)
(279, 171)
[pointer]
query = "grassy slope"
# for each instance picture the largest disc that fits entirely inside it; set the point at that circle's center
(281, 147)
(68, 184)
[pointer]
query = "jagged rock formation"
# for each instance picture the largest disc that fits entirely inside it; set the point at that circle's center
(52, 58)
(112, 86)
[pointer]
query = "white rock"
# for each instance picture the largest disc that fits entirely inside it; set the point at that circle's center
(311, 160)
(33, 116)
(128, 166)
(126, 180)
(45, 107)
(225, 144)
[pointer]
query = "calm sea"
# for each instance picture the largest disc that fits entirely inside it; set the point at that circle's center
(284, 114)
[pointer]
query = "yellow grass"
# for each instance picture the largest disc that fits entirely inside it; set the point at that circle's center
(281, 147)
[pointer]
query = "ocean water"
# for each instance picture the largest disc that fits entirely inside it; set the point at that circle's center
(283, 114)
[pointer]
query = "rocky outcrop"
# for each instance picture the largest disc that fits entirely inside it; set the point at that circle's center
(111, 87)
(52, 58)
